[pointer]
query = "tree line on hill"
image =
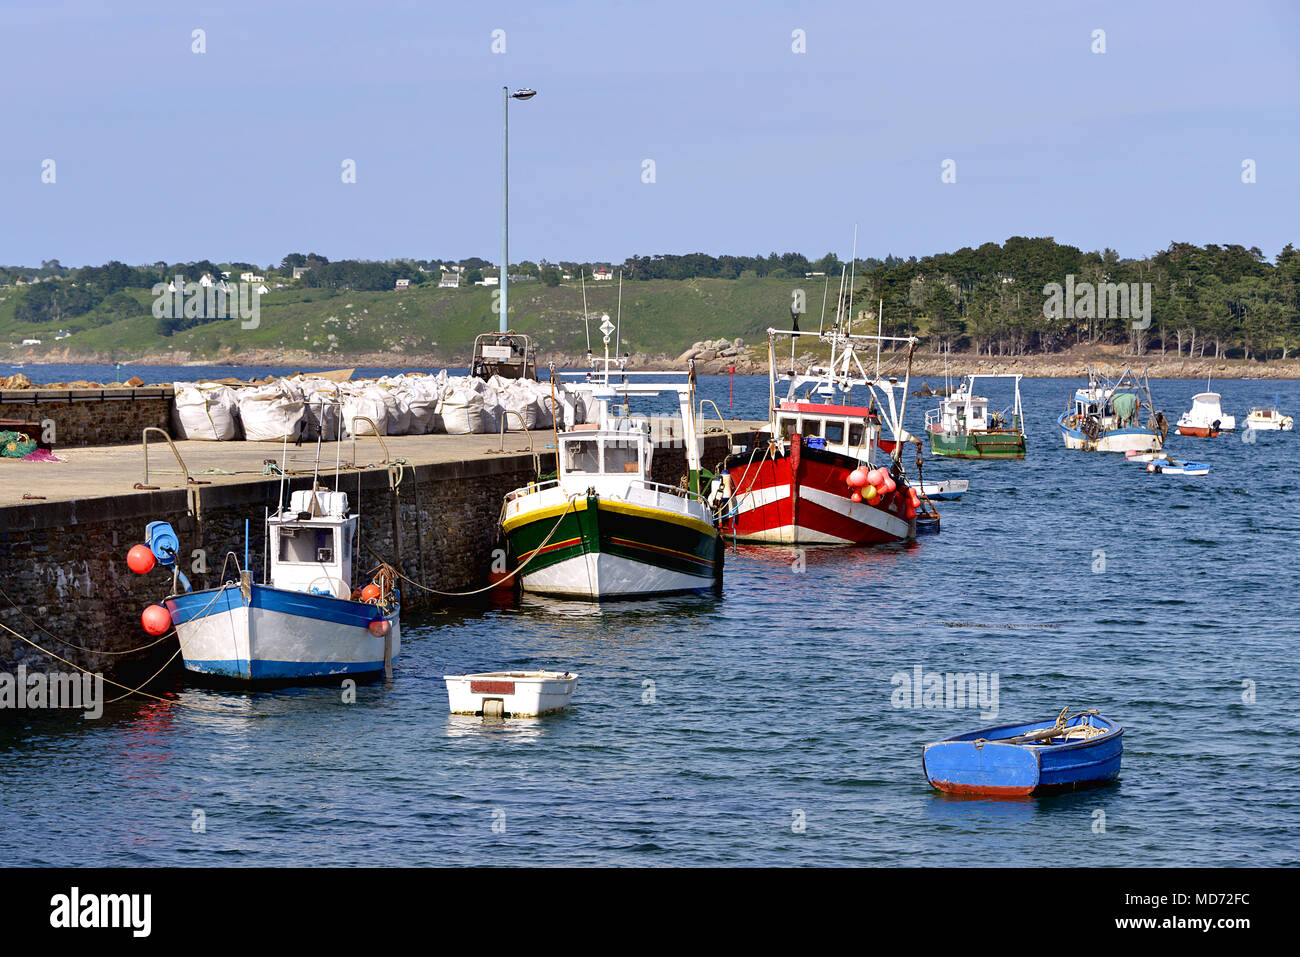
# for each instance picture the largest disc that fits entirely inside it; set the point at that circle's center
(992, 299)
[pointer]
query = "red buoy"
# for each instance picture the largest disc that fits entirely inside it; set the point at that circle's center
(156, 619)
(140, 559)
(380, 628)
(856, 497)
(858, 477)
(370, 592)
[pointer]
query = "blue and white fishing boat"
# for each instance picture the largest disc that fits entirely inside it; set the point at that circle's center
(1061, 754)
(305, 621)
(949, 490)
(1106, 416)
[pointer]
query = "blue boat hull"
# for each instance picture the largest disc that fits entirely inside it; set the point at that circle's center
(984, 762)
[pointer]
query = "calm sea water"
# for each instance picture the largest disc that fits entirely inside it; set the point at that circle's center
(770, 736)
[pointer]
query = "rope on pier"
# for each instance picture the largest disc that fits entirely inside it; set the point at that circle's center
(129, 691)
(478, 591)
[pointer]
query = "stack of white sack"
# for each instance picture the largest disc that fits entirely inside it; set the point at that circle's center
(306, 406)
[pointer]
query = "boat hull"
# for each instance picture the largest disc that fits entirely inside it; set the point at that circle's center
(521, 694)
(765, 511)
(977, 445)
(601, 549)
(279, 635)
(1115, 440)
(979, 763)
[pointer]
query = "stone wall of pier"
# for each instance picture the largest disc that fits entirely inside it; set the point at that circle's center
(89, 416)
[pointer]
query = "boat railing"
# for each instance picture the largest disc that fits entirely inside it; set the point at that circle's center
(144, 441)
(675, 490)
(374, 431)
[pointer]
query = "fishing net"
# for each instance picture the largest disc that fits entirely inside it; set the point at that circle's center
(15, 445)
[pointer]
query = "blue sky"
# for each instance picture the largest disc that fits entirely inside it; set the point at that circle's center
(236, 154)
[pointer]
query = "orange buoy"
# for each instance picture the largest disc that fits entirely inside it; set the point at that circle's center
(156, 619)
(380, 628)
(856, 497)
(371, 592)
(140, 559)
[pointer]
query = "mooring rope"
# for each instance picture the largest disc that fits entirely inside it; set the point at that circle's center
(184, 704)
(70, 644)
(478, 591)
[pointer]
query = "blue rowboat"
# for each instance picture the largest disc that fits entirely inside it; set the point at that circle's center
(1059, 754)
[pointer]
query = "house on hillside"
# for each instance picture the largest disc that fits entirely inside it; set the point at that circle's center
(602, 273)
(489, 281)
(449, 280)
(401, 284)
(251, 277)
(299, 270)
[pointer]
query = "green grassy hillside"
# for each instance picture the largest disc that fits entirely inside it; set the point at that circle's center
(659, 316)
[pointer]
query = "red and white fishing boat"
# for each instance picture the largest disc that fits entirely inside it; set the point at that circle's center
(822, 472)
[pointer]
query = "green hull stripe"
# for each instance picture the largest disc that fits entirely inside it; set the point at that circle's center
(642, 539)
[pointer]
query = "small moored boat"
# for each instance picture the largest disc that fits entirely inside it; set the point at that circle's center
(963, 427)
(1206, 418)
(948, 490)
(510, 694)
(1263, 419)
(305, 621)
(1061, 754)
(1166, 465)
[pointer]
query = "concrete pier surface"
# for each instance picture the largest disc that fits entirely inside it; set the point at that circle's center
(429, 505)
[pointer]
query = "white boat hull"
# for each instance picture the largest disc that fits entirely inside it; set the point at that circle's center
(279, 636)
(521, 694)
(598, 575)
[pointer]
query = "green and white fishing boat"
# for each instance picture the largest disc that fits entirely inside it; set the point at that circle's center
(602, 529)
(962, 426)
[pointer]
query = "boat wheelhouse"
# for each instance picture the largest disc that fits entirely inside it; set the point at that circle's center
(1106, 415)
(603, 528)
(963, 427)
(507, 355)
(794, 486)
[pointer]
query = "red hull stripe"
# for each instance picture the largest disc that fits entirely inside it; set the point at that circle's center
(953, 788)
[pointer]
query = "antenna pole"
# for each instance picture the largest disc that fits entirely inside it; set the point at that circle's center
(586, 325)
(618, 334)
(853, 263)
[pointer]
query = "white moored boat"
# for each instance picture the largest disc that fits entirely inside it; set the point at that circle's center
(1206, 418)
(1265, 419)
(510, 694)
(305, 621)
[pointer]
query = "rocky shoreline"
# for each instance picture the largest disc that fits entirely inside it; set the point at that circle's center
(723, 357)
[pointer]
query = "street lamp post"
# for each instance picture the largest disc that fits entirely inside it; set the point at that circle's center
(506, 97)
